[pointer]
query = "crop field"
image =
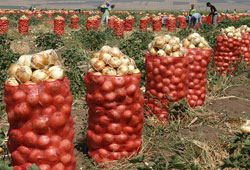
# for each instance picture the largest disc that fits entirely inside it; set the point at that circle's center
(206, 137)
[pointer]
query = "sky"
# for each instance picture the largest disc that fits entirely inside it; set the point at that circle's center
(132, 4)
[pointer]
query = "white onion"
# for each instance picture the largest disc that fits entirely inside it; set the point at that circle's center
(39, 61)
(176, 54)
(131, 68)
(93, 60)
(24, 60)
(23, 74)
(115, 52)
(123, 69)
(175, 47)
(106, 57)
(97, 73)
(111, 72)
(114, 62)
(136, 71)
(12, 69)
(153, 51)
(191, 46)
(29, 82)
(51, 54)
(105, 49)
(56, 72)
(125, 59)
(12, 81)
(38, 76)
(161, 53)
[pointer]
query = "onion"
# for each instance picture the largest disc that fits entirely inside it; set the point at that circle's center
(161, 53)
(131, 69)
(111, 72)
(191, 46)
(123, 69)
(12, 69)
(136, 71)
(24, 60)
(176, 54)
(132, 62)
(159, 42)
(175, 47)
(93, 60)
(230, 34)
(125, 59)
(12, 81)
(51, 54)
(97, 73)
(91, 70)
(97, 55)
(29, 82)
(39, 75)
(56, 72)
(149, 46)
(114, 62)
(172, 42)
(153, 51)
(106, 57)
(167, 38)
(39, 61)
(201, 45)
(99, 65)
(245, 129)
(186, 43)
(115, 52)
(105, 49)
(168, 48)
(196, 41)
(23, 74)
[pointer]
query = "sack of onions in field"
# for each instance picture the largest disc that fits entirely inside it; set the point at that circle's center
(171, 24)
(209, 20)
(4, 25)
(245, 43)
(111, 21)
(219, 18)
(98, 20)
(237, 18)
(92, 23)
(39, 16)
(115, 106)
(129, 22)
(203, 19)
(59, 25)
(198, 53)
(227, 51)
(23, 25)
(166, 74)
(182, 21)
(74, 22)
(38, 105)
(156, 24)
(50, 14)
(30, 14)
(144, 24)
(118, 27)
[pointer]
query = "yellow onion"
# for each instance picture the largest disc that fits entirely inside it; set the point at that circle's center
(106, 57)
(175, 47)
(172, 42)
(99, 65)
(186, 43)
(105, 49)
(230, 34)
(125, 59)
(196, 40)
(23, 74)
(111, 72)
(12, 69)
(93, 60)
(91, 70)
(149, 46)
(38, 76)
(114, 62)
(115, 52)
(132, 62)
(167, 38)
(153, 51)
(50, 80)
(245, 129)
(51, 54)
(201, 45)
(123, 69)
(131, 69)
(168, 48)
(97, 73)
(56, 72)
(97, 55)
(12, 81)
(105, 70)
(39, 61)
(176, 54)
(136, 71)
(159, 42)
(161, 53)
(29, 82)
(191, 46)
(24, 60)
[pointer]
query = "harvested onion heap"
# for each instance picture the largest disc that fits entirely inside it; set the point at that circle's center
(111, 61)
(35, 68)
(246, 127)
(196, 41)
(166, 45)
(244, 29)
(231, 32)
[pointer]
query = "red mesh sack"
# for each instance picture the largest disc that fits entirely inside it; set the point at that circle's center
(182, 22)
(111, 23)
(237, 18)
(41, 125)
(98, 22)
(115, 116)
(30, 15)
(118, 28)
(227, 54)
(203, 19)
(23, 26)
(143, 25)
(171, 24)
(197, 75)
(128, 26)
(59, 26)
(219, 18)
(245, 48)
(209, 20)
(74, 22)
(4, 26)
(50, 15)
(91, 25)
(40, 16)
(156, 25)
(166, 82)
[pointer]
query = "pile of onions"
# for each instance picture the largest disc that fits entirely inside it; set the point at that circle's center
(111, 61)
(24, 17)
(196, 41)
(35, 68)
(244, 29)
(231, 32)
(166, 45)
(246, 127)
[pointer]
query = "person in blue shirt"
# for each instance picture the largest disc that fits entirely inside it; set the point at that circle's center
(195, 18)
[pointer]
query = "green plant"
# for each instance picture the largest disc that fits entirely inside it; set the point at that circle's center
(239, 152)
(34, 167)
(5, 166)
(49, 41)
(178, 109)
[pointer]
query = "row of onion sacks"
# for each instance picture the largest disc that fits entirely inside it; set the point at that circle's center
(144, 23)
(227, 50)
(4, 25)
(23, 25)
(129, 22)
(245, 43)
(166, 74)
(93, 23)
(115, 103)
(38, 105)
(118, 27)
(59, 25)
(75, 22)
(198, 53)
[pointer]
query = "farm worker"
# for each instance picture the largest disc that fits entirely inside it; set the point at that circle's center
(196, 17)
(235, 12)
(164, 20)
(192, 10)
(213, 13)
(105, 9)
